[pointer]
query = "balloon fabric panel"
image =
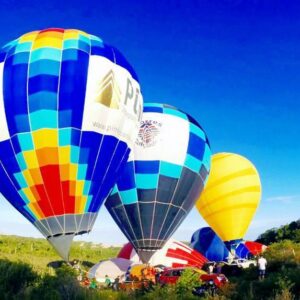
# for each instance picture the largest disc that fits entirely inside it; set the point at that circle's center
(163, 177)
(248, 249)
(255, 248)
(242, 251)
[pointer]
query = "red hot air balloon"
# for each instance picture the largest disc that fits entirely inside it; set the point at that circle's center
(173, 254)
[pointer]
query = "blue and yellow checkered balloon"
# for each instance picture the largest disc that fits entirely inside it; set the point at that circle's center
(70, 106)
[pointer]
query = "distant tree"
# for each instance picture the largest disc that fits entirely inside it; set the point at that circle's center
(297, 236)
(285, 232)
(267, 237)
(294, 225)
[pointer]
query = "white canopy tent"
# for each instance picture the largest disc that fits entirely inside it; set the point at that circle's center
(112, 268)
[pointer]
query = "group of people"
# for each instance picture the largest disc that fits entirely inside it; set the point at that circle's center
(82, 276)
(93, 284)
(153, 275)
(115, 285)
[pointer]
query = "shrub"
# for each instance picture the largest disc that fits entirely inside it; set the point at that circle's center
(15, 278)
(167, 292)
(284, 295)
(185, 284)
(228, 291)
(63, 285)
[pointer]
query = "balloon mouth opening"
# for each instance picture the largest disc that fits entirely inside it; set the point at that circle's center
(146, 254)
(62, 244)
(68, 233)
(232, 245)
(149, 249)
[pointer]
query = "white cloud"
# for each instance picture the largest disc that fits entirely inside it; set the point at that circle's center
(284, 199)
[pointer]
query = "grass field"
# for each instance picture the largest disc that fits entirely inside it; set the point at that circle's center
(26, 273)
(39, 253)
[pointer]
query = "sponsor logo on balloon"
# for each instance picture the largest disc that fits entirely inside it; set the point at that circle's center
(148, 132)
(109, 93)
(133, 93)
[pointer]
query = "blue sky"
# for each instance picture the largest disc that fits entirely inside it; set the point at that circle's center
(232, 64)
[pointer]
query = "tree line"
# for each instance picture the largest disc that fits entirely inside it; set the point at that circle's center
(290, 232)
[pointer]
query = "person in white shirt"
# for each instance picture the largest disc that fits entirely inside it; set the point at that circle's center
(262, 264)
(211, 268)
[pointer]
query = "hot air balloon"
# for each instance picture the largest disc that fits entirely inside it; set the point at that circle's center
(173, 254)
(248, 249)
(206, 242)
(162, 179)
(70, 107)
(231, 197)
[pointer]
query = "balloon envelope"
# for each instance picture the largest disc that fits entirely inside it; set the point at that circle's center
(162, 179)
(69, 112)
(231, 196)
(173, 254)
(255, 248)
(248, 249)
(242, 251)
(206, 242)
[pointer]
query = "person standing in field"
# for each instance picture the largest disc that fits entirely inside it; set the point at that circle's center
(219, 268)
(211, 268)
(107, 281)
(116, 284)
(262, 264)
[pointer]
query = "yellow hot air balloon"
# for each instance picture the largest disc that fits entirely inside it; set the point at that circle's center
(231, 196)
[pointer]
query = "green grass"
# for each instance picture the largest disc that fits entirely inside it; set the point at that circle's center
(39, 253)
(23, 268)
